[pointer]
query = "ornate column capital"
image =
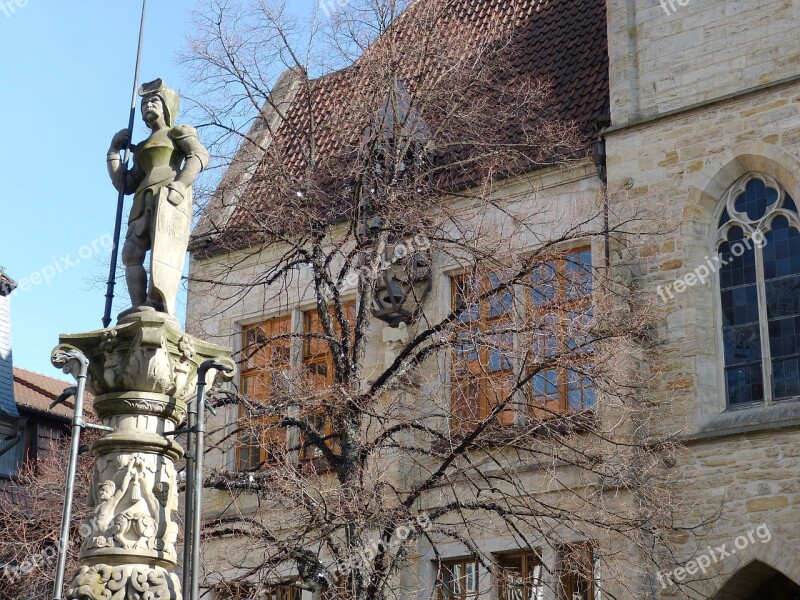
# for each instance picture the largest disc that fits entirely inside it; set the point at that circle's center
(145, 365)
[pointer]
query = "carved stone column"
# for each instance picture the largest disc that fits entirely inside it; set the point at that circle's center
(143, 373)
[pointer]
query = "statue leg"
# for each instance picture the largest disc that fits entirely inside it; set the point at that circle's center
(133, 253)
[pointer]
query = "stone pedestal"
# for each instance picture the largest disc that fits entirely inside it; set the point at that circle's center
(143, 372)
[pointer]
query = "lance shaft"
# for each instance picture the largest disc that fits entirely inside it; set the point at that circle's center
(112, 271)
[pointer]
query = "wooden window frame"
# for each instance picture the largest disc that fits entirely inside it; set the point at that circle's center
(529, 560)
(257, 364)
(308, 452)
(560, 307)
(449, 566)
(570, 576)
(487, 380)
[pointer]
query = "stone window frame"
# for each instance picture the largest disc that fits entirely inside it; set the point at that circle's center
(730, 420)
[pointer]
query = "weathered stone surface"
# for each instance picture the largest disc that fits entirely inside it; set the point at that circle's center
(128, 582)
(144, 372)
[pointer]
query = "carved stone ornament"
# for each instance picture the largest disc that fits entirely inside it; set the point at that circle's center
(149, 353)
(124, 582)
(143, 373)
(134, 496)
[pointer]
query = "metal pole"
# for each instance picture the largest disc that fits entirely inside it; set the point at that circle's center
(606, 241)
(112, 272)
(191, 419)
(197, 496)
(70, 360)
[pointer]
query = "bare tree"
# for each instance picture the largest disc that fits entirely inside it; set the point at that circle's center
(30, 523)
(517, 406)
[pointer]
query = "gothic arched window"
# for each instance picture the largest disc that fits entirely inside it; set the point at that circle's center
(758, 257)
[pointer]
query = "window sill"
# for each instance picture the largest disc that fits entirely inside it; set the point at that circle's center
(783, 414)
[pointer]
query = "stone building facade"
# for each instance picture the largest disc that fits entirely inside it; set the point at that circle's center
(704, 99)
(704, 124)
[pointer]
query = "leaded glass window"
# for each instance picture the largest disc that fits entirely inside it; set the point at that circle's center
(758, 256)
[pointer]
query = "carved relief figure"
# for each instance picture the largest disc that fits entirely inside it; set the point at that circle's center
(165, 167)
(108, 498)
(138, 513)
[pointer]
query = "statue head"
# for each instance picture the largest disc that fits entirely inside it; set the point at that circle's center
(170, 101)
(161, 492)
(106, 489)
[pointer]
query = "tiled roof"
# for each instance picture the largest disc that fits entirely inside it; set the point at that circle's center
(562, 42)
(36, 392)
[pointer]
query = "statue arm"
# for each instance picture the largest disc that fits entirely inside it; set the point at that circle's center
(150, 500)
(197, 157)
(124, 487)
(133, 176)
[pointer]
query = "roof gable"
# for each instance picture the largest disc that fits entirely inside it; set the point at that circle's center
(561, 42)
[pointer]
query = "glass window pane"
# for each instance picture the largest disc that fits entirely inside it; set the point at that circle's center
(756, 199)
(784, 337)
(724, 218)
(545, 385)
(579, 274)
(502, 302)
(545, 342)
(501, 348)
(579, 338)
(782, 287)
(512, 577)
(781, 250)
(787, 378)
(456, 581)
(471, 579)
(466, 299)
(783, 297)
(580, 391)
(543, 280)
(740, 306)
(737, 260)
(745, 384)
(742, 344)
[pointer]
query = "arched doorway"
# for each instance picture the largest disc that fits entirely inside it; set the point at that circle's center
(758, 581)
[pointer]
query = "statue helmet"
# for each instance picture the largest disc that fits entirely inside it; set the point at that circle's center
(170, 98)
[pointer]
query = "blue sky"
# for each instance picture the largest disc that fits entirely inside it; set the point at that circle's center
(65, 86)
